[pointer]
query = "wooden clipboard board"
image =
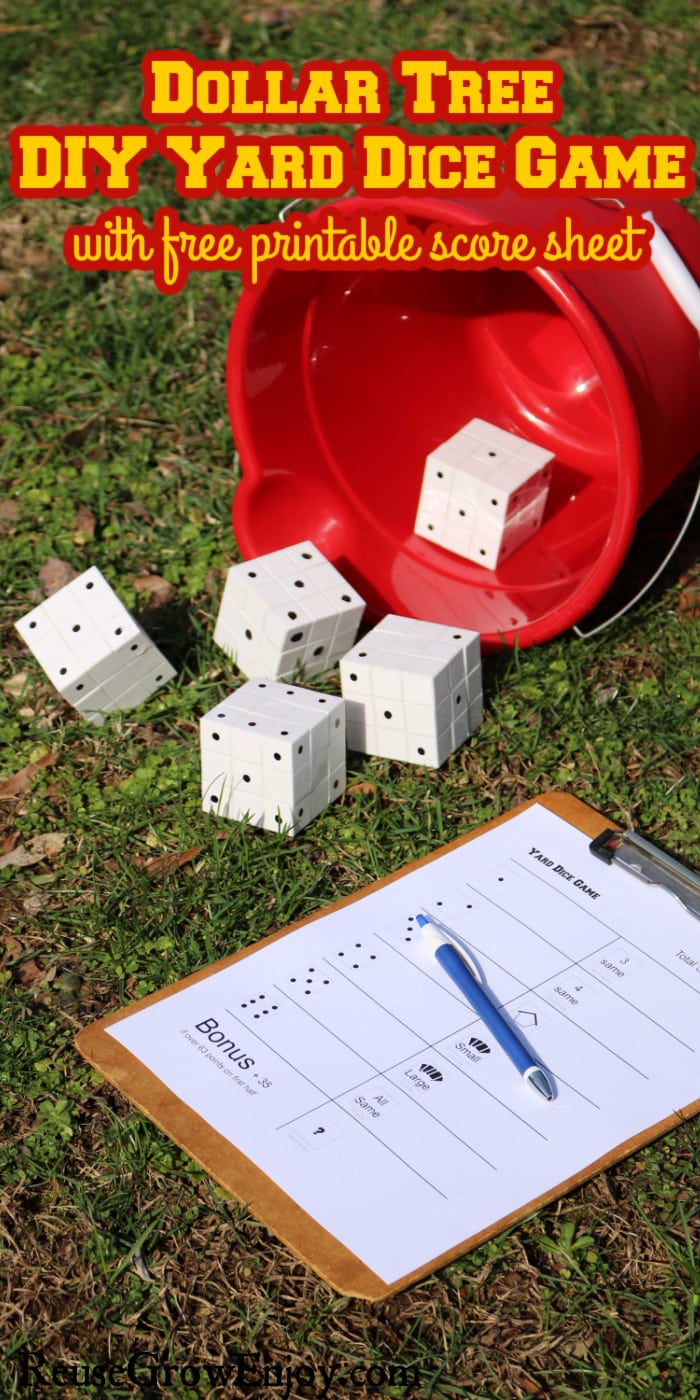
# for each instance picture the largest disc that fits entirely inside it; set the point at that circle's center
(326, 1255)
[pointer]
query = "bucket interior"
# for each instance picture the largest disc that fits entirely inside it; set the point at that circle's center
(348, 380)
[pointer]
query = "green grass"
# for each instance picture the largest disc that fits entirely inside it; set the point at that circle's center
(112, 400)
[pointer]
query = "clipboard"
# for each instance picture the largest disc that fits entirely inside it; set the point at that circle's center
(295, 1226)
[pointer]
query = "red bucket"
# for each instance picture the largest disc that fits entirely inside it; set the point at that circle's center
(341, 382)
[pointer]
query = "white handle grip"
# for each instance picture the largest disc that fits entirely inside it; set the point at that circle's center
(673, 271)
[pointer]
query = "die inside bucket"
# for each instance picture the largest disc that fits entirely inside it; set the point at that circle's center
(341, 382)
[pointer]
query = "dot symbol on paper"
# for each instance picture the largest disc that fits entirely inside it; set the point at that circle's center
(356, 955)
(258, 1006)
(309, 981)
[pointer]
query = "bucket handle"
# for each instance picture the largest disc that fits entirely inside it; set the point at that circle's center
(685, 291)
(608, 623)
(668, 265)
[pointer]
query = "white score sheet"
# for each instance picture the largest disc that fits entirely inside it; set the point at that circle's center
(344, 1063)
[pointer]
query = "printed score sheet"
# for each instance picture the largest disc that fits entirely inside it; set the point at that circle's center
(343, 1063)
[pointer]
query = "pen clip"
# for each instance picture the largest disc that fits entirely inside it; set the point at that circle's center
(457, 942)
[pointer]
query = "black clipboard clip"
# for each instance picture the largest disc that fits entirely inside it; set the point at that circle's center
(649, 863)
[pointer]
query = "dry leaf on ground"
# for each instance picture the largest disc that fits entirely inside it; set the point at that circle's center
(158, 589)
(55, 574)
(16, 684)
(20, 781)
(45, 847)
(84, 525)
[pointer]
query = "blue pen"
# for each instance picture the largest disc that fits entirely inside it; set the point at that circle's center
(454, 958)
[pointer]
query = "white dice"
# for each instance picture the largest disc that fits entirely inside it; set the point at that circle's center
(484, 493)
(412, 690)
(92, 650)
(273, 753)
(287, 611)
